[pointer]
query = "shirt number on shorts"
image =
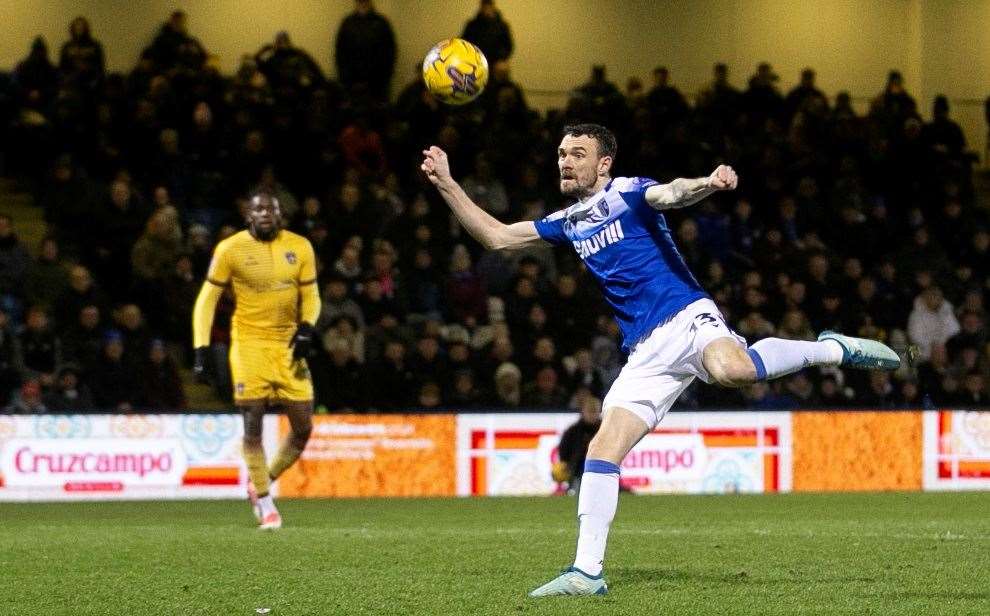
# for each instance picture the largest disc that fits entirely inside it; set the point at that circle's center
(706, 318)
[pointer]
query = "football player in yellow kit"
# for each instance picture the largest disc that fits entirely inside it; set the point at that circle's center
(272, 273)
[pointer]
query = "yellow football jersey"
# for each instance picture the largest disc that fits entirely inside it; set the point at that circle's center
(266, 278)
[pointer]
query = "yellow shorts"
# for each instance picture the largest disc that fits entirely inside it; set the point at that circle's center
(265, 370)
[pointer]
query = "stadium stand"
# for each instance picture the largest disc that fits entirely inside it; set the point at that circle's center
(868, 224)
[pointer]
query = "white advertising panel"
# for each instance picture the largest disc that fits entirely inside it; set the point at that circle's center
(662, 458)
(956, 452)
(512, 454)
(93, 461)
(103, 457)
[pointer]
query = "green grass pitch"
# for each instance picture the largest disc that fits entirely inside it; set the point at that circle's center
(795, 554)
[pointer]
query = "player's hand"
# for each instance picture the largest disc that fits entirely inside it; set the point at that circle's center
(199, 363)
(723, 178)
(435, 165)
(302, 341)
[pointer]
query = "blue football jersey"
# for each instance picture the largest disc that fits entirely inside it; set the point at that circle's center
(628, 247)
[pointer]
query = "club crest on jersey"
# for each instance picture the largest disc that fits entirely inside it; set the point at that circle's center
(290, 257)
(592, 216)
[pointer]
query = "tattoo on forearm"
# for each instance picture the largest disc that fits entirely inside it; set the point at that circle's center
(682, 193)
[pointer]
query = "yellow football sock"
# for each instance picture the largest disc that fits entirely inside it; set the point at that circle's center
(254, 456)
(287, 455)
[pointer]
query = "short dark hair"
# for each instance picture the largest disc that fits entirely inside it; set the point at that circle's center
(605, 138)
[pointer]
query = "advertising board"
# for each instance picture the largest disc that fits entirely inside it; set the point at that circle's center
(374, 455)
(957, 450)
(695, 453)
(103, 457)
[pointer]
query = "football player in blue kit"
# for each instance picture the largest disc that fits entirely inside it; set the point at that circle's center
(672, 330)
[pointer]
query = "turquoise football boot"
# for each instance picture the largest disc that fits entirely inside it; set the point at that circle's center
(863, 353)
(572, 583)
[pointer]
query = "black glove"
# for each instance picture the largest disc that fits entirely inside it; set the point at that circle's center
(302, 341)
(199, 363)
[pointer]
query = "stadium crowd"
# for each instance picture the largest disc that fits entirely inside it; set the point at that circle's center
(866, 224)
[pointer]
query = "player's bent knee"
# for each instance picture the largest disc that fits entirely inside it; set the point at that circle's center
(254, 416)
(301, 422)
(300, 436)
(735, 371)
(728, 364)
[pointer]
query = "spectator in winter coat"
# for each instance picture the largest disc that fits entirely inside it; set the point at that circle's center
(490, 33)
(69, 394)
(27, 400)
(932, 321)
(366, 50)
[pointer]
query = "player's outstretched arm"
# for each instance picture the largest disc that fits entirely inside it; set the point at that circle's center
(217, 279)
(309, 304)
(309, 293)
(202, 317)
(488, 230)
(683, 192)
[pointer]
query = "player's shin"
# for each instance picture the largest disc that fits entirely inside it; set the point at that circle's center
(288, 453)
(253, 451)
(776, 357)
(597, 503)
(254, 458)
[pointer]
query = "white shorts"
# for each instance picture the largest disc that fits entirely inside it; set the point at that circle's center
(663, 364)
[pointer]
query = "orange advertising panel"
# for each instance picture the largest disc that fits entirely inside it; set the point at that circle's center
(857, 451)
(375, 455)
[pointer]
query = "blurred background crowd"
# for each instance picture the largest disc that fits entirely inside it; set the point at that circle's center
(864, 223)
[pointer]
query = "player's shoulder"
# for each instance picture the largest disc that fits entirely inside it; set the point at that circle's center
(632, 184)
(290, 238)
(237, 239)
(555, 215)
